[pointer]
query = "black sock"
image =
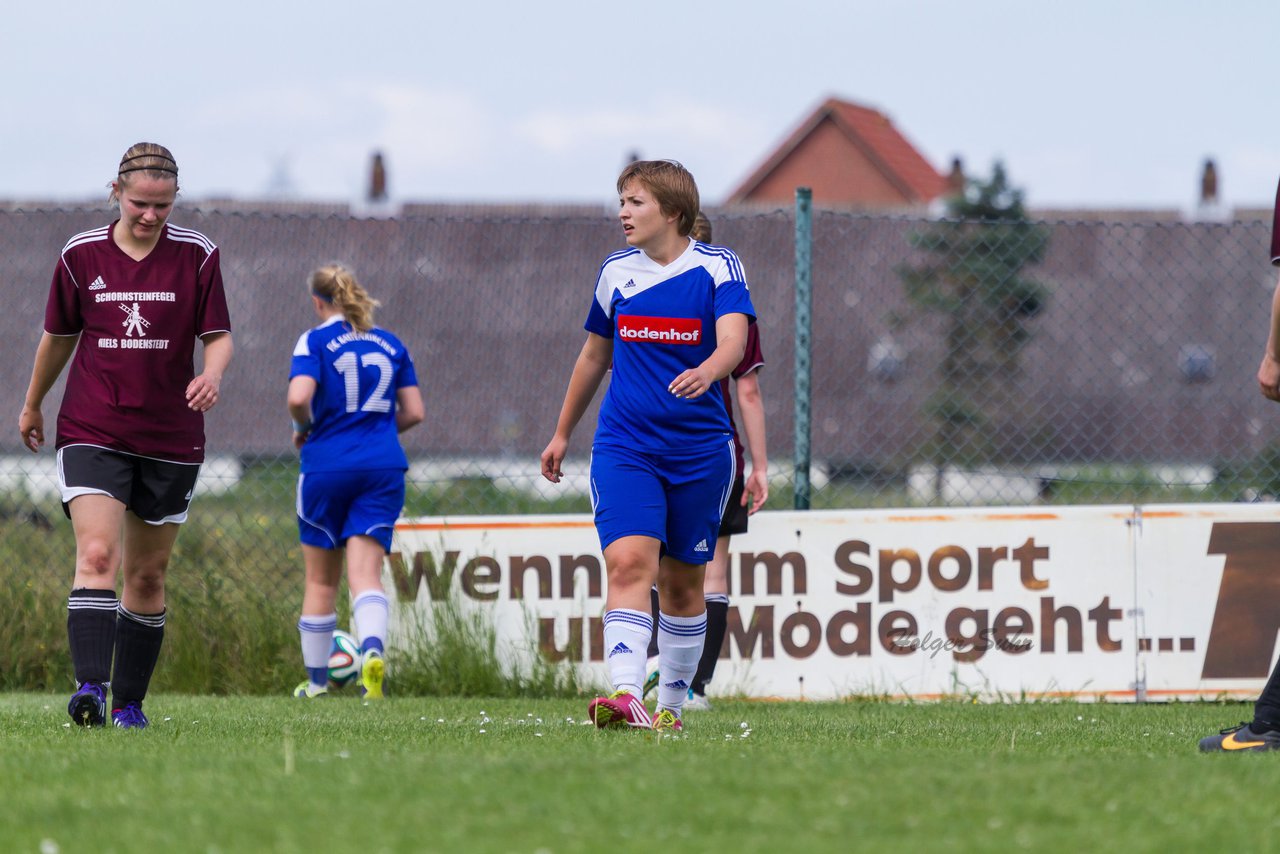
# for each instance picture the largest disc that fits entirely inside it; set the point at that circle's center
(717, 619)
(1263, 726)
(138, 639)
(653, 636)
(91, 633)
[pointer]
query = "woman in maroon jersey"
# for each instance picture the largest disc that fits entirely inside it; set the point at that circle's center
(129, 300)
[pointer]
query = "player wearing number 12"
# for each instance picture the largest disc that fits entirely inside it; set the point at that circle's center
(352, 391)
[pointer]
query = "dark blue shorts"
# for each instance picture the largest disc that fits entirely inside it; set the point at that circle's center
(676, 499)
(336, 505)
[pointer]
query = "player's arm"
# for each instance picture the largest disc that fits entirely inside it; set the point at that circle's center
(731, 343)
(1269, 370)
(302, 389)
(52, 354)
(202, 391)
(751, 405)
(409, 409)
(588, 371)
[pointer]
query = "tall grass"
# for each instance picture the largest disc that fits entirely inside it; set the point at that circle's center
(234, 592)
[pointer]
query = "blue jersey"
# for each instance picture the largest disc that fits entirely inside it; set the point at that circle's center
(353, 412)
(663, 321)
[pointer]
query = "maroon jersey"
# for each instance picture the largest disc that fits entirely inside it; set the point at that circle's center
(1275, 231)
(138, 322)
(752, 360)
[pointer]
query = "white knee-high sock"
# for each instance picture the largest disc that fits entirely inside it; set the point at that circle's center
(626, 635)
(369, 610)
(680, 642)
(316, 631)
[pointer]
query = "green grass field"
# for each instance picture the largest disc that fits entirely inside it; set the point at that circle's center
(446, 774)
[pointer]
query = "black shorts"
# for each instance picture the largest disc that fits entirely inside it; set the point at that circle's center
(156, 491)
(735, 516)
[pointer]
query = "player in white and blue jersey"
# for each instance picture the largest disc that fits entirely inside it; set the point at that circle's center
(352, 392)
(670, 315)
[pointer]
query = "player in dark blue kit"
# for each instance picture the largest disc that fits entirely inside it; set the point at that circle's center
(352, 392)
(670, 315)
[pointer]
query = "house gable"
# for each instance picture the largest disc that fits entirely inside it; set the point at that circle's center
(850, 156)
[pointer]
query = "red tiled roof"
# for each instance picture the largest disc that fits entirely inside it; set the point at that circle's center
(874, 136)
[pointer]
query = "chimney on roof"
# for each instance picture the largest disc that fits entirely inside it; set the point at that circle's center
(1208, 208)
(1208, 184)
(378, 179)
(955, 179)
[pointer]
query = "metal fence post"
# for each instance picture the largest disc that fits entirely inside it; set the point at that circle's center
(804, 327)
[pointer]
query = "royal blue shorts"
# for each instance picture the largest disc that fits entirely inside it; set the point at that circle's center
(677, 499)
(336, 505)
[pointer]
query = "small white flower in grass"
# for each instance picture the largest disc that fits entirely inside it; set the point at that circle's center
(1038, 732)
(728, 736)
(742, 725)
(538, 721)
(344, 754)
(745, 734)
(49, 846)
(167, 718)
(1079, 717)
(439, 720)
(66, 726)
(538, 734)
(423, 718)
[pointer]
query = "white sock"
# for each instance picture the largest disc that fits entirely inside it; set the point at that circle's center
(369, 611)
(680, 642)
(626, 637)
(317, 640)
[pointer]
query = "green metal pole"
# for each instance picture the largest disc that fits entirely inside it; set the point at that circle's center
(804, 356)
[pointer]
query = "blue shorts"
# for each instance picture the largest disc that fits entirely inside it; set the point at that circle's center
(676, 499)
(336, 505)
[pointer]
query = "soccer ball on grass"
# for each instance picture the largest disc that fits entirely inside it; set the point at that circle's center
(344, 659)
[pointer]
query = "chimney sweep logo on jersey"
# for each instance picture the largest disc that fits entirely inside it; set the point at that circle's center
(660, 330)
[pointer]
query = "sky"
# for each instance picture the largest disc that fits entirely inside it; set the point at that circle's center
(1090, 104)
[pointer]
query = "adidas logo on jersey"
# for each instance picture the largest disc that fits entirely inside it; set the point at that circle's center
(620, 649)
(97, 284)
(701, 546)
(631, 283)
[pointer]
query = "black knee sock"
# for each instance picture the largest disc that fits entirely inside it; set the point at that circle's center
(138, 640)
(717, 619)
(1266, 711)
(653, 636)
(91, 633)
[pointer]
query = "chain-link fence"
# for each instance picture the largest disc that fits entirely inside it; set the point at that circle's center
(952, 363)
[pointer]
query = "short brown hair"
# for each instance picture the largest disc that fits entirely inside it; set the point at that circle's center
(672, 186)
